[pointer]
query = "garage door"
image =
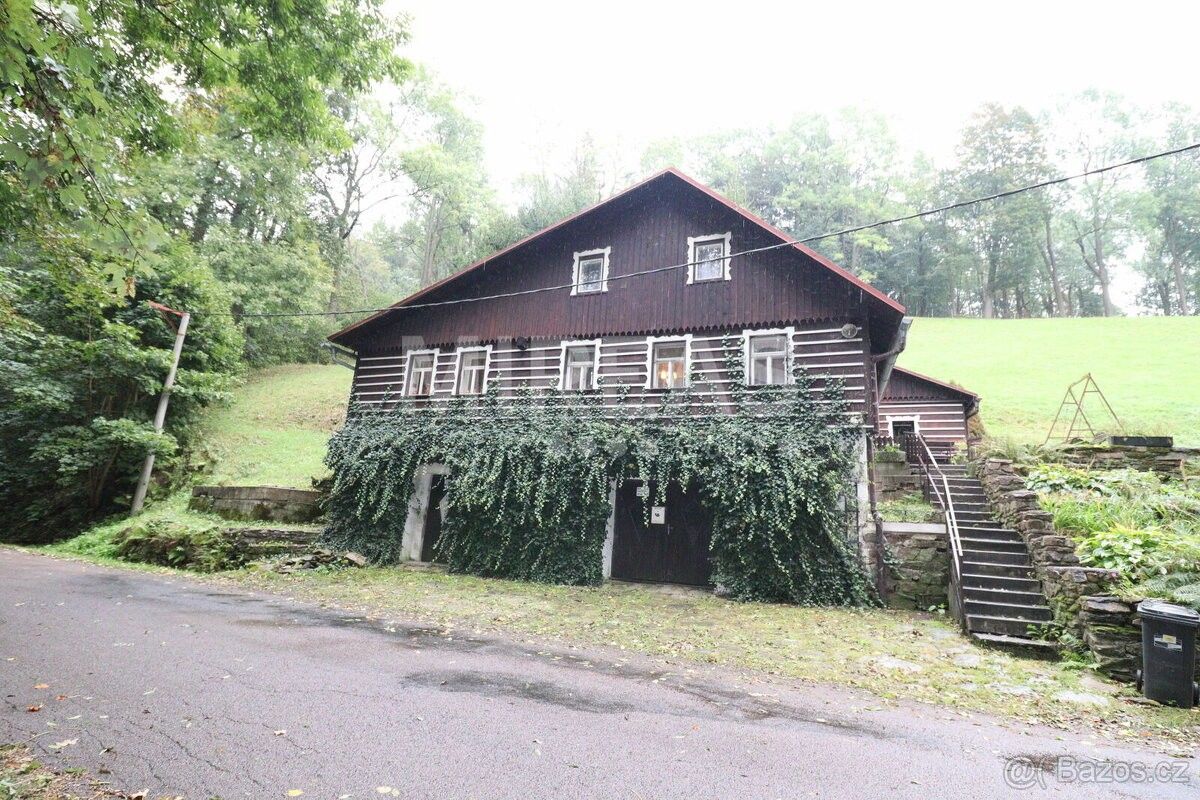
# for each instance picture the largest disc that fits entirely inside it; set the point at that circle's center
(673, 550)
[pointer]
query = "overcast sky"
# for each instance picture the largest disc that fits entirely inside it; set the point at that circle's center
(545, 73)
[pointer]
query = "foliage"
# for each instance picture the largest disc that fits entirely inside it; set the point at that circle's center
(529, 482)
(1143, 526)
(909, 508)
(203, 548)
(83, 368)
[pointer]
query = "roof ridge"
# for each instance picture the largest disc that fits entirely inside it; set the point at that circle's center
(672, 171)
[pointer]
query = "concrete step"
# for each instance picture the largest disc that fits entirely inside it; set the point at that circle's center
(973, 580)
(1015, 611)
(1022, 645)
(995, 534)
(1005, 626)
(997, 568)
(1004, 596)
(993, 545)
(993, 557)
(994, 527)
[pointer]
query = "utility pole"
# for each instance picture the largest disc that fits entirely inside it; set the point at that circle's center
(160, 416)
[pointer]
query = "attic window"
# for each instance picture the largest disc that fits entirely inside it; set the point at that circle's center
(708, 258)
(591, 271)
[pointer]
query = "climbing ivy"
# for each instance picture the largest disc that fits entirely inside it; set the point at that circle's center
(530, 477)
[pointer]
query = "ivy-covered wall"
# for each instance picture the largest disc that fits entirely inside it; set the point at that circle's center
(529, 476)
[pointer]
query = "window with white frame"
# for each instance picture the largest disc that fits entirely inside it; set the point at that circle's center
(579, 367)
(420, 373)
(668, 364)
(767, 359)
(472, 371)
(708, 258)
(591, 271)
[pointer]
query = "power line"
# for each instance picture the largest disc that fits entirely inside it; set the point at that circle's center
(788, 243)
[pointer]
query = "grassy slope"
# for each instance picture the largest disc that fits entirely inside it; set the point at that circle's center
(275, 429)
(1148, 367)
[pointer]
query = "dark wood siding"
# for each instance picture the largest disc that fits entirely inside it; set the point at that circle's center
(939, 411)
(645, 230)
(824, 351)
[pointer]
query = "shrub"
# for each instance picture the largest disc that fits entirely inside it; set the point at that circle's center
(203, 548)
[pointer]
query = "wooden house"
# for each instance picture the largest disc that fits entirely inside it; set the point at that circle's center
(631, 297)
(914, 403)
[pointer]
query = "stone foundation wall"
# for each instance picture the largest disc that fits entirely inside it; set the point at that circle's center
(1164, 460)
(257, 503)
(1064, 580)
(916, 564)
(1113, 632)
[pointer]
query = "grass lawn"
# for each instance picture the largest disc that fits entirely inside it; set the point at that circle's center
(275, 429)
(891, 654)
(1148, 367)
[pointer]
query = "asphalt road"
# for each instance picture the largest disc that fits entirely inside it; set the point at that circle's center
(176, 687)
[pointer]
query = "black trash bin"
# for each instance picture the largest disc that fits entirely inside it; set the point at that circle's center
(1168, 653)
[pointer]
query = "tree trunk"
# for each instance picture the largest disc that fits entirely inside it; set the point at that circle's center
(1180, 284)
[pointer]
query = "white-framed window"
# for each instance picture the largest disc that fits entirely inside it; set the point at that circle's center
(669, 359)
(470, 376)
(580, 365)
(418, 373)
(768, 357)
(708, 257)
(591, 271)
(907, 424)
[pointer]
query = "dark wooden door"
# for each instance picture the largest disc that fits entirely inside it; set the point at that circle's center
(676, 551)
(433, 517)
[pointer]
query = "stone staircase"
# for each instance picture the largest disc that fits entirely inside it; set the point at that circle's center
(1002, 598)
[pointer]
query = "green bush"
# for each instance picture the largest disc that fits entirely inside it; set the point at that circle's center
(176, 544)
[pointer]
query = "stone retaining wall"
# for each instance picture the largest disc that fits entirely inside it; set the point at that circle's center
(1064, 581)
(257, 503)
(1113, 632)
(917, 564)
(1164, 460)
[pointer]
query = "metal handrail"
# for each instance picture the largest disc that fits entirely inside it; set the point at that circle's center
(917, 449)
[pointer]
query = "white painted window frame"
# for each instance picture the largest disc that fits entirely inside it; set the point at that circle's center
(582, 255)
(562, 363)
(789, 366)
(408, 372)
(652, 341)
(915, 420)
(692, 241)
(487, 366)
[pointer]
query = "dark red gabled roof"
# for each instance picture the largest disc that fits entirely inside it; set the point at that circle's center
(821, 260)
(966, 394)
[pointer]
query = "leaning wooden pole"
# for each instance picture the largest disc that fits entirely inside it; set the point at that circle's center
(160, 416)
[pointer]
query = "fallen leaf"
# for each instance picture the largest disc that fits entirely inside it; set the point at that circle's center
(33, 709)
(281, 733)
(383, 789)
(294, 792)
(64, 743)
(61, 697)
(41, 686)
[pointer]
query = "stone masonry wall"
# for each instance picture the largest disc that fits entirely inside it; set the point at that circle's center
(258, 503)
(917, 564)
(1167, 461)
(1113, 632)
(1064, 581)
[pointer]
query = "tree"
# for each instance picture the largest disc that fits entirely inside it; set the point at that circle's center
(1170, 218)
(1096, 130)
(1002, 149)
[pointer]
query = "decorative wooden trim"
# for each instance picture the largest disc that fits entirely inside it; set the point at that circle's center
(562, 361)
(408, 373)
(651, 341)
(585, 254)
(692, 241)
